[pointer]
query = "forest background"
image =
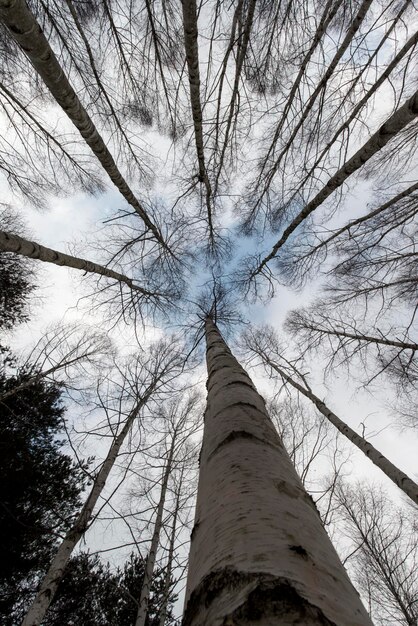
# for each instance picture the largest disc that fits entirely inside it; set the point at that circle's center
(222, 159)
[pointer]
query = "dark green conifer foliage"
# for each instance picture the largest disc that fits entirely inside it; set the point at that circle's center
(40, 487)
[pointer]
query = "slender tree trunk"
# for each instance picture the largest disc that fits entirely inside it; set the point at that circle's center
(259, 553)
(397, 122)
(27, 33)
(56, 570)
(355, 25)
(149, 568)
(192, 56)
(402, 480)
(360, 337)
(329, 13)
(233, 109)
(409, 45)
(167, 581)
(39, 376)
(33, 250)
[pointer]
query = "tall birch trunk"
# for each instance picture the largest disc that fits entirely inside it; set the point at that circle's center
(27, 33)
(403, 116)
(152, 555)
(402, 480)
(33, 250)
(56, 570)
(259, 553)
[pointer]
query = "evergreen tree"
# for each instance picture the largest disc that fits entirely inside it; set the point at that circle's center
(15, 280)
(40, 487)
(92, 595)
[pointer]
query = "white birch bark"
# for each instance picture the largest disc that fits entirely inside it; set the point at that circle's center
(33, 250)
(397, 122)
(167, 581)
(355, 25)
(56, 570)
(152, 555)
(192, 57)
(259, 553)
(402, 480)
(27, 33)
(409, 45)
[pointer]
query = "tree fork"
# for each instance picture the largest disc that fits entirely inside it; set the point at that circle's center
(259, 551)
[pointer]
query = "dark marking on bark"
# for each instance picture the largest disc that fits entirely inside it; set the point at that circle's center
(268, 597)
(300, 551)
(194, 529)
(290, 490)
(252, 406)
(236, 434)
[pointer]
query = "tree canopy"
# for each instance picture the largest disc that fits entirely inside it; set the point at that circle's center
(254, 161)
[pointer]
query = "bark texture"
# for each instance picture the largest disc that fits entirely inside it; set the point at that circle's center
(28, 34)
(259, 553)
(33, 250)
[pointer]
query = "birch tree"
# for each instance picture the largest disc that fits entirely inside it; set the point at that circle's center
(249, 489)
(344, 340)
(24, 28)
(161, 365)
(382, 553)
(171, 548)
(260, 344)
(181, 424)
(29, 249)
(404, 116)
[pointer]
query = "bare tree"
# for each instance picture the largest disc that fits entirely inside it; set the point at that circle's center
(264, 344)
(180, 423)
(257, 538)
(344, 341)
(396, 123)
(13, 243)
(67, 354)
(159, 366)
(24, 28)
(382, 553)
